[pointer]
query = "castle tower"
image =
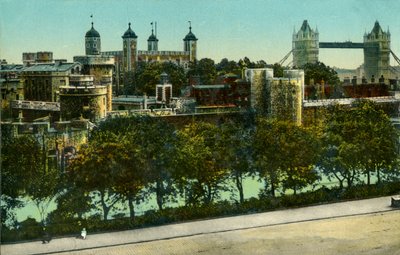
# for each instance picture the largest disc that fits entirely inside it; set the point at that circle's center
(376, 53)
(190, 44)
(92, 42)
(152, 42)
(305, 45)
(129, 55)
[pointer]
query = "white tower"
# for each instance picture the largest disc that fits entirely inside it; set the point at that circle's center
(92, 42)
(129, 55)
(190, 44)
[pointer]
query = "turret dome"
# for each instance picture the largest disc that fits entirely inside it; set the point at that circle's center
(92, 32)
(152, 37)
(129, 33)
(190, 36)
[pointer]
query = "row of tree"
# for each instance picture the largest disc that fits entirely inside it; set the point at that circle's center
(129, 159)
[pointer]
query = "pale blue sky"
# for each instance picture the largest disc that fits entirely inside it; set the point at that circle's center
(258, 29)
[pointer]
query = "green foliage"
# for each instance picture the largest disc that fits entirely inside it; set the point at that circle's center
(205, 68)
(200, 169)
(226, 66)
(278, 70)
(236, 140)
(27, 173)
(285, 154)
(147, 75)
(318, 72)
(358, 140)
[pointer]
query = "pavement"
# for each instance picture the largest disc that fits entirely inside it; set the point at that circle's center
(311, 213)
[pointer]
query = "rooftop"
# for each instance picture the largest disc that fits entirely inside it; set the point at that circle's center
(51, 67)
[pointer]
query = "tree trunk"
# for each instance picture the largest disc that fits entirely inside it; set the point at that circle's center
(160, 194)
(368, 176)
(131, 209)
(239, 186)
(273, 189)
(106, 209)
(378, 173)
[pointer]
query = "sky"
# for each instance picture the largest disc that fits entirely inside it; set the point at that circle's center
(232, 29)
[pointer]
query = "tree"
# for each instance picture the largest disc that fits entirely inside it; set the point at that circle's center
(340, 153)
(237, 150)
(27, 173)
(318, 72)
(360, 139)
(377, 137)
(147, 75)
(100, 166)
(200, 170)
(285, 153)
(228, 66)
(156, 140)
(205, 68)
(278, 70)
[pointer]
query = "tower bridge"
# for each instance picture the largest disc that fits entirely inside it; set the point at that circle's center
(376, 48)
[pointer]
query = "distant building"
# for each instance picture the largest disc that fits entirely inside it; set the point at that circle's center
(42, 81)
(83, 99)
(377, 53)
(164, 91)
(29, 58)
(277, 97)
(131, 55)
(41, 84)
(305, 45)
(11, 87)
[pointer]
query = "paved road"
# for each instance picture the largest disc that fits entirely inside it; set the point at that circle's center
(69, 244)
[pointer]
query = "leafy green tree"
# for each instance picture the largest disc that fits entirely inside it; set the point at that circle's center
(200, 170)
(236, 148)
(318, 72)
(96, 167)
(377, 137)
(147, 75)
(285, 154)
(27, 173)
(228, 66)
(361, 139)
(278, 70)
(205, 68)
(340, 154)
(156, 139)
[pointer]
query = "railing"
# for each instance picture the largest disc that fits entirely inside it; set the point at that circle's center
(36, 105)
(347, 101)
(165, 53)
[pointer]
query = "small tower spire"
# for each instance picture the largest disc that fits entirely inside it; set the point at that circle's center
(190, 26)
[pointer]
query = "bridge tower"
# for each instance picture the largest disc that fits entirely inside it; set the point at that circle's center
(376, 53)
(305, 45)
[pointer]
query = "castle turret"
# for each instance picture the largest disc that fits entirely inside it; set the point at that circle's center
(190, 44)
(152, 42)
(130, 55)
(305, 45)
(92, 42)
(376, 53)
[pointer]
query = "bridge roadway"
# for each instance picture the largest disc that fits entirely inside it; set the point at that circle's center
(341, 45)
(68, 245)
